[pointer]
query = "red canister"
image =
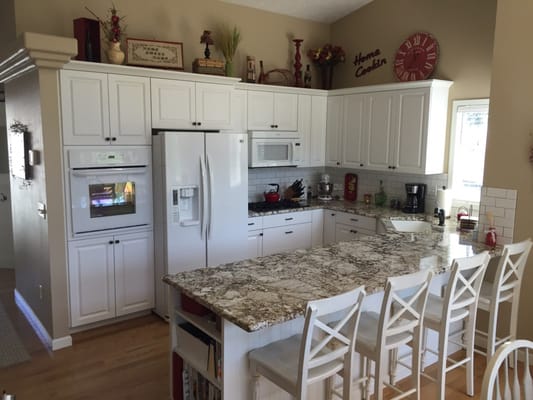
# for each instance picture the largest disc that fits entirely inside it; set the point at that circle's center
(490, 238)
(350, 187)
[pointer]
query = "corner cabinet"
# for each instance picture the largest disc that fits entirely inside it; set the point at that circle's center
(395, 127)
(100, 108)
(180, 104)
(110, 276)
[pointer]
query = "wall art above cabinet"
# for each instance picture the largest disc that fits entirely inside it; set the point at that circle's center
(100, 108)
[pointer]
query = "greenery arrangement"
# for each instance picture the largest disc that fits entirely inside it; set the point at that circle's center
(327, 55)
(228, 40)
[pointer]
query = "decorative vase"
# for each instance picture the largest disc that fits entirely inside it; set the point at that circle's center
(229, 68)
(114, 54)
(297, 63)
(327, 76)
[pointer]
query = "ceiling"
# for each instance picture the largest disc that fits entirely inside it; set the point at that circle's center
(325, 11)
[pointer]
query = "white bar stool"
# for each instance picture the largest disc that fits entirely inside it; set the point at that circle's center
(458, 305)
(398, 323)
(505, 288)
(320, 353)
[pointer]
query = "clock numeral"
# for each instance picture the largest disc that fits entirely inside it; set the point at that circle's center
(401, 53)
(412, 76)
(428, 66)
(404, 76)
(398, 62)
(399, 70)
(408, 44)
(425, 40)
(421, 75)
(416, 40)
(430, 47)
(431, 56)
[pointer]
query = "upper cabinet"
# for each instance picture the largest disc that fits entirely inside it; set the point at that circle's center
(178, 104)
(401, 129)
(312, 116)
(100, 108)
(272, 111)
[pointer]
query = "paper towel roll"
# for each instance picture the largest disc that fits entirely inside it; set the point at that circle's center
(444, 200)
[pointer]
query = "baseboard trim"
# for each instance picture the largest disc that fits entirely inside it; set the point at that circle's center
(38, 327)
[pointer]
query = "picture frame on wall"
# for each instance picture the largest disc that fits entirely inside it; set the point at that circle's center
(155, 53)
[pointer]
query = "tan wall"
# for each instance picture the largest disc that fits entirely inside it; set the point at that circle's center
(30, 232)
(7, 22)
(264, 35)
(511, 129)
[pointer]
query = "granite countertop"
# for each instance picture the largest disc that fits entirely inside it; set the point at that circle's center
(261, 292)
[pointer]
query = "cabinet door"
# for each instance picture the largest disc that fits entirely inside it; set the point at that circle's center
(91, 280)
(285, 238)
(329, 227)
(84, 108)
(409, 149)
(334, 131)
(260, 110)
(382, 120)
(317, 144)
(344, 233)
(173, 104)
(239, 110)
(254, 246)
(353, 131)
(134, 272)
(317, 227)
(213, 106)
(304, 128)
(286, 111)
(129, 110)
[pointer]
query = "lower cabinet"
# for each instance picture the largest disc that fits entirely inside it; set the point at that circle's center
(254, 247)
(285, 238)
(110, 276)
(340, 226)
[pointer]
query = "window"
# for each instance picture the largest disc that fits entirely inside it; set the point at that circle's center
(468, 141)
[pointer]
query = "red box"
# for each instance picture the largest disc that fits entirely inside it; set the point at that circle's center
(189, 305)
(87, 33)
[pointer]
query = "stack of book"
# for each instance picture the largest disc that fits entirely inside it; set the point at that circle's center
(208, 66)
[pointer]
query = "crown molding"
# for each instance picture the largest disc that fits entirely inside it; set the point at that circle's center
(35, 50)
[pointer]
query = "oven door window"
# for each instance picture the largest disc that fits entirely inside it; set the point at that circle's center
(110, 199)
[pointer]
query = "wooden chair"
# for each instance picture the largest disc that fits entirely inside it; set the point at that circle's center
(398, 323)
(459, 305)
(504, 288)
(503, 370)
(318, 354)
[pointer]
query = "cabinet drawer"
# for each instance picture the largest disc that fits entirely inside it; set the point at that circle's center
(286, 238)
(255, 223)
(345, 232)
(357, 221)
(285, 219)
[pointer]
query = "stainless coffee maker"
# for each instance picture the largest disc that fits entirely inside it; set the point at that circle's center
(416, 198)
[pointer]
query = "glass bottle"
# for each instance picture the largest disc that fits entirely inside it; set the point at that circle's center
(307, 77)
(261, 73)
(380, 198)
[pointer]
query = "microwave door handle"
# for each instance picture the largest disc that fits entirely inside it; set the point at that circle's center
(107, 171)
(211, 195)
(203, 197)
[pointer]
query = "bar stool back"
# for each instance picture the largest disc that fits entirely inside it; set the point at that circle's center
(505, 288)
(319, 353)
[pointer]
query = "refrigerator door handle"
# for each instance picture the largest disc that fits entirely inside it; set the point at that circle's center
(203, 182)
(211, 195)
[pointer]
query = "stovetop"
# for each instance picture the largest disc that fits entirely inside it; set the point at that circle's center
(263, 206)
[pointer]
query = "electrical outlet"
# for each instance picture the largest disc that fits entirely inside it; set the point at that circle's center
(40, 292)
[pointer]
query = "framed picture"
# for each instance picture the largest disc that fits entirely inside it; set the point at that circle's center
(155, 53)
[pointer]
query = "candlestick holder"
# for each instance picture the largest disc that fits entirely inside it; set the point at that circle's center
(297, 63)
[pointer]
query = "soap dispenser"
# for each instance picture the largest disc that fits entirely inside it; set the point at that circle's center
(380, 198)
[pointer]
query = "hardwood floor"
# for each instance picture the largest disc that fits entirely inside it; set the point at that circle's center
(128, 360)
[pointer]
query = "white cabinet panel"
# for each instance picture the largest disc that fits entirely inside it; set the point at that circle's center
(329, 227)
(134, 272)
(173, 104)
(91, 280)
(353, 131)
(334, 131)
(85, 107)
(129, 109)
(285, 238)
(283, 219)
(317, 228)
(110, 276)
(381, 130)
(254, 246)
(344, 233)
(317, 146)
(272, 111)
(286, 111)
(213, 106)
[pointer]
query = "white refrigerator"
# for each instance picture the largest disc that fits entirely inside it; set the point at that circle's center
(200, 202)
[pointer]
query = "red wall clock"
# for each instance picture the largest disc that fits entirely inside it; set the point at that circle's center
(416, 58)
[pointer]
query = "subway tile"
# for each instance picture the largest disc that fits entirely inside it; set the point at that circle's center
(505, 203)
(494, 192)
(488, 201)
(496, 211)
(511, 193)
(503, 222)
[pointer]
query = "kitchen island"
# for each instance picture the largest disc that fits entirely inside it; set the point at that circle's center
(262, 300)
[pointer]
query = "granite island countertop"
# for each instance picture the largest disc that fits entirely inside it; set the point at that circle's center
(265, 291)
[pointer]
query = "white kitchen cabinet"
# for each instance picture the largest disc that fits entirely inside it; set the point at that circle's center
(99, 108)
(317, 227)
(254, 247)
(180, 104)
(285, 238)
(272, 111)
(312, 116)
(334, 128)
(401, 129)
(110, 276)
(344, 233)
(329, 227)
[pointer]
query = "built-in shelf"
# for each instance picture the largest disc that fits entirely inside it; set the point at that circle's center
(202, 323)
(189, 359)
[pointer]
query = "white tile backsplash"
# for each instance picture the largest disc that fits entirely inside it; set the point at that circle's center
(502, 204)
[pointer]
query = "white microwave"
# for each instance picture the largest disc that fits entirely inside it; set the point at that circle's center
(273, 151)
